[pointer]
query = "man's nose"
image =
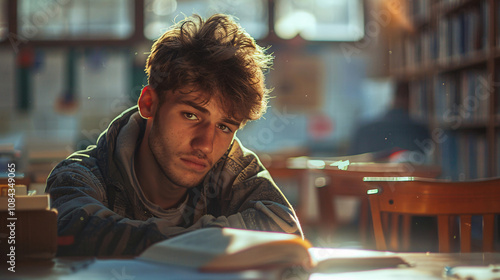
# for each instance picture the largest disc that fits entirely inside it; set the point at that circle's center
(204, 138)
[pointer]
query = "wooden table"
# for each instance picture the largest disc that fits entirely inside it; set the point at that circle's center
(423, 266)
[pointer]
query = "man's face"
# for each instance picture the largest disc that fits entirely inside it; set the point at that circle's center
(188, 137)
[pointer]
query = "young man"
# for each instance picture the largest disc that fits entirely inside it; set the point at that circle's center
(173, 164)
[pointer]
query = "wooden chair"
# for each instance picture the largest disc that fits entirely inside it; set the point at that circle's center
(432, 197)
(350, 183)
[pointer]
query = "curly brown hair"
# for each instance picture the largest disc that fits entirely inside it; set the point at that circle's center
(217, 57)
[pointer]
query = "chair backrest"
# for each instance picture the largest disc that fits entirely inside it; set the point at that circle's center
(441, 198)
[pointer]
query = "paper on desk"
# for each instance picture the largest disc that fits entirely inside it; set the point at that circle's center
(379, 274)
(340, 260)
(365, 264)
(491, 272)
(130, 269)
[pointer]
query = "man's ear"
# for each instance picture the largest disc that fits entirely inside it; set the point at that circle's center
(147, 102)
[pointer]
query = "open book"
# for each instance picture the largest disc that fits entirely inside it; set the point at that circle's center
(229, 249)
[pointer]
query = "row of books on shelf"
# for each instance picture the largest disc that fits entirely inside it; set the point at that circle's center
(425, 9)
(464, 33)
(452, 4)
(419, 95)
(460, 98)
(418, 9)
(464, 156)
(457, 37)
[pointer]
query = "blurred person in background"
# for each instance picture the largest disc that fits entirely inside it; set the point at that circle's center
(395, 136)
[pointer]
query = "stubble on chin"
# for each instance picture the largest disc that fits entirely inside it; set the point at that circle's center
(174, 174)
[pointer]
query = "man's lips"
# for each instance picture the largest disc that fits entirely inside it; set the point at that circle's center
(195, 163)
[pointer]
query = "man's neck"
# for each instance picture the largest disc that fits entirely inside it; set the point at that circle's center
(157, 188)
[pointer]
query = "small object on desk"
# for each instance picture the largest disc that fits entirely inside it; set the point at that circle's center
(341, 164)
(491, 272)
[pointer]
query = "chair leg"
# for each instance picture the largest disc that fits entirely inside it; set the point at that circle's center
(394, 232)
(465, 233)
(364, 220)
(444, 233)
(377, 227)
(406, 232)
(488, 232)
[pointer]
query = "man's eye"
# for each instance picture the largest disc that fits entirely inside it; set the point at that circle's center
(190, 116)
(225, 128)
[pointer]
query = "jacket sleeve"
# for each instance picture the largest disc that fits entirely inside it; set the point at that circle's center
(250, 195)
(90, 228)
(262, 206)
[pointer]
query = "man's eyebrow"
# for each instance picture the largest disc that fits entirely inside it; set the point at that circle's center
(204, 110)
(231, 121)
(196, 106)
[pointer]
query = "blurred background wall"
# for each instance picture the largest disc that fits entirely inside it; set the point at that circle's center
(69, 67)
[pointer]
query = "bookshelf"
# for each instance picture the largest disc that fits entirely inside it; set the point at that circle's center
(449, 59)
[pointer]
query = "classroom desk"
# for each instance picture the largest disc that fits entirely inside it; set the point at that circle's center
(423, 266)
(322, 180)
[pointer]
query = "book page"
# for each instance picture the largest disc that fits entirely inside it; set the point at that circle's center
(208, 240)
(193, 249)
(339, 259)
(223, 240)
(208, 245)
